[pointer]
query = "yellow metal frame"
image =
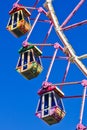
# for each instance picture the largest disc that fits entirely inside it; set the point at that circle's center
(29, 65)
(23, 26)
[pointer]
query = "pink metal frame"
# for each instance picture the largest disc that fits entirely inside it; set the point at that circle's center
(80, 126)
(72, 13)
(57, 46)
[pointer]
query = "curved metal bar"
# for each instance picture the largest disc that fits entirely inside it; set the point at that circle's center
(63, 38)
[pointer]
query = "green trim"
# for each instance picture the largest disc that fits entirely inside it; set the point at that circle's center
(36, 50)
(23, 49)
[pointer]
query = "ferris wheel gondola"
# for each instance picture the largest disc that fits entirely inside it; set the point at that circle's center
(19, 23)
(29, 63)
(50, 106)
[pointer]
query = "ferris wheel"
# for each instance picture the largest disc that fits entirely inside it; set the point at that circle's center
(50, 106)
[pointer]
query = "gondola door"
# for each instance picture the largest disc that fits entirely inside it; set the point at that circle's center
(46, 104)
(15, 19)
(25, 58)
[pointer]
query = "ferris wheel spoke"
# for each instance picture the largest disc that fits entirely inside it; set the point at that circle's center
(82, 105)
(72, 13)
(74, 25)
(65, 74)
(41, 20)
(67, 83)
(37, 1)
(51, 64)
(17, 1)
(57, 57)
(35, 4)
(75, 96)
(47, 35)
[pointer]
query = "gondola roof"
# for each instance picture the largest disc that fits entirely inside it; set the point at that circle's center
(20, 7)
(51, 88)
(36, 50)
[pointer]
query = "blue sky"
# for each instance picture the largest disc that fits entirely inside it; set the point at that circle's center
(18, 96)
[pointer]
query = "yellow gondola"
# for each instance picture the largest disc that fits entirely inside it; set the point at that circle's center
(19, 23)
(29, 63)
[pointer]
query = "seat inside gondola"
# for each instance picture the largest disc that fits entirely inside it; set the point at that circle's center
(19, 23)
(29, 63)
(50, 108)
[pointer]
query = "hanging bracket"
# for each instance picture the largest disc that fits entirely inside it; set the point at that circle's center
(81, 127)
